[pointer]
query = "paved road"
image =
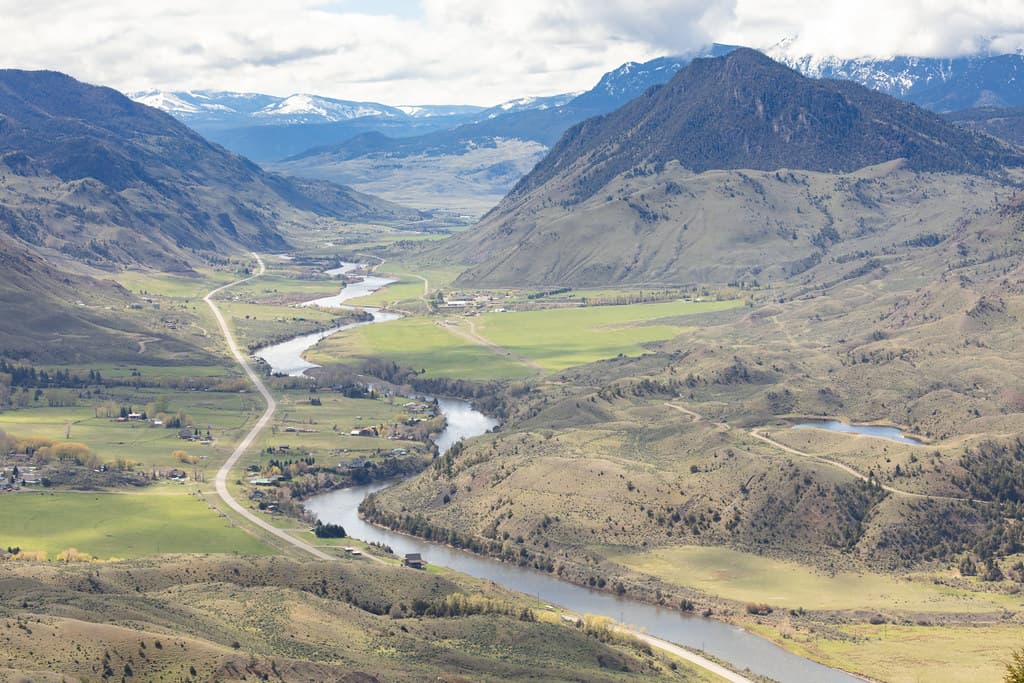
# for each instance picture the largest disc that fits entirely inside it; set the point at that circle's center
(221, 480)
(702, 662)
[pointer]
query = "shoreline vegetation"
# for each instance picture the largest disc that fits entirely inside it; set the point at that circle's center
(307, 417)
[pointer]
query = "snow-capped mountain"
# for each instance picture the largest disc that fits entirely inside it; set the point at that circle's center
(426, 111)
(304, 108)
(632, 78)
(528, 104)
(205, 105)
(940, 84)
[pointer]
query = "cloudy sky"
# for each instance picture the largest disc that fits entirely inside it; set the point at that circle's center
(458, 51)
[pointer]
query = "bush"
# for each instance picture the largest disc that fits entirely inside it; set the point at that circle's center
(329, 530)
(759, 608)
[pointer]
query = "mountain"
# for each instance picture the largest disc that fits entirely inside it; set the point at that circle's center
(206, 108)
(88, 171)
(934, 83)
(696, 180)
(472, 166)
(521, 104)
(266, 127)
(91, 181)
(1004, 123)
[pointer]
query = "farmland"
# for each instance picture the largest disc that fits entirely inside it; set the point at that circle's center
(125, 525)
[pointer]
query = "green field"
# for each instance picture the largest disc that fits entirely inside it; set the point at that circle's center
(122, 525)
(174, 286)
(746, 577)
(522, 342)
(224, 413)
(561, 338)
(419, 343)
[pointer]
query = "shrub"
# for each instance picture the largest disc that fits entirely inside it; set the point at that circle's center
(759, 608)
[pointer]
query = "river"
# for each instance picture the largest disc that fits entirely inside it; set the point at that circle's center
(286, 358)
(732, 644)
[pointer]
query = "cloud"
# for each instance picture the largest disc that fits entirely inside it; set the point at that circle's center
(882, 28)
(458, 51)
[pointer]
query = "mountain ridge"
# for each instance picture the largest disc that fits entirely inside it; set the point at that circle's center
(717, 167)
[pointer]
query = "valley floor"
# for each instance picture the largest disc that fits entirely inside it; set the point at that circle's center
(619, 472)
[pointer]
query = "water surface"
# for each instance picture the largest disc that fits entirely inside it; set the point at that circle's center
(735, 645)
(890, 433)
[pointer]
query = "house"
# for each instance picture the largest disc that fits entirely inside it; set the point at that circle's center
(414, 560)
(364, 431)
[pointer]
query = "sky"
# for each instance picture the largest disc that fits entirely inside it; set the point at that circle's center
(459, 51)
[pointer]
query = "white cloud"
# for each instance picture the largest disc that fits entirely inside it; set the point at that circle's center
(457, 51)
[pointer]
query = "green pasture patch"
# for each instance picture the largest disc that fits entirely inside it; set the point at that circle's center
(174, 286)
(422, 344)
(903, 653)
(561, 338)
(225, 414)
(122, 525)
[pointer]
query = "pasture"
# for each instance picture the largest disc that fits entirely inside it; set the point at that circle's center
(557, 339)
(123, 525)
(224, 413)
(418, 343)
(510, 345)
(903, 653)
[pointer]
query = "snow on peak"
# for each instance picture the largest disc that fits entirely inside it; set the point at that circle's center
(305, 106)
(165, 101)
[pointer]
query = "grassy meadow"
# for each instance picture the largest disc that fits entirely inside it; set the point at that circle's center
(225, 413)
(508, 345)
(125, 525)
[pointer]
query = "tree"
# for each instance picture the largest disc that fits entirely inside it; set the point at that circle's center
(1015, 668)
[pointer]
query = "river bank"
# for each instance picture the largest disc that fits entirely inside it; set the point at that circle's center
(725, 641)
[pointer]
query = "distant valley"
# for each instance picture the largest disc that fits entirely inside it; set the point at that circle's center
(409, 153)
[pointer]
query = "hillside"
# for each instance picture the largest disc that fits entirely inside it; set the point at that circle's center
(92, 183)
(707, 166)
(1005, 123)
(476, 163)
(234, 619)
(95, 176)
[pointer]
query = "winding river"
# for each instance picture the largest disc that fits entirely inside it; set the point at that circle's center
(735, 645)
(286, 358)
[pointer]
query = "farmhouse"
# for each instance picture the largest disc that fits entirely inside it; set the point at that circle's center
(414, 560)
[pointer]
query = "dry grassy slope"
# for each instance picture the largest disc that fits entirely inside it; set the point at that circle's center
(914, 325)
(55, 314)
(719, 226)
(216, 618)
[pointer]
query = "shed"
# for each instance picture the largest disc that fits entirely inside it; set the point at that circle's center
(414, 560)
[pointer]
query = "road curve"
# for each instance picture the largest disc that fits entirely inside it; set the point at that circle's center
(702, 662)
(221, 480)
